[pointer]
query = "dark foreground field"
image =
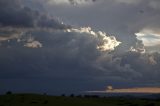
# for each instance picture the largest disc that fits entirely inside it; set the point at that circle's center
(44, 100)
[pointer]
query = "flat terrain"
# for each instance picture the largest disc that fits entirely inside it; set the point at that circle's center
(44, 100)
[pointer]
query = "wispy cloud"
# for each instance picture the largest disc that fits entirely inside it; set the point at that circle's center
(136, 90)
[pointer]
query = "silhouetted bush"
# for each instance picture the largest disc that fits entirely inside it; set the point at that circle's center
(91, 96)
(104, 97)
(87, 96)
(45, 102)
(79, 96)
(95, 96)
(8, 92)
(72, 95)
(63, 95)
(22, 99)
(45, 94)
(150, 104)
(34, 102)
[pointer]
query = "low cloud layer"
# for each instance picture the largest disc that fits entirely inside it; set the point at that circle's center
(151, 90)
(146, 90)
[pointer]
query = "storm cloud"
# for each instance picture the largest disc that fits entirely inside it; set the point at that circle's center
(38, 45)
(70, 2)
(63, 46)
(122, 18)
(15, 14)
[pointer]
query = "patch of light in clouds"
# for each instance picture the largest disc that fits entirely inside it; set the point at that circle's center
(105, 42)
(149, 37)
(136, 90)
(152, 90)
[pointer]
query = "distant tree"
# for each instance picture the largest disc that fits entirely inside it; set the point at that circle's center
(44, 93)
(8, 93)
(63, 95)
(79, 96)
(104, 96)
(87, 96)
(95, 96)
(72, 95)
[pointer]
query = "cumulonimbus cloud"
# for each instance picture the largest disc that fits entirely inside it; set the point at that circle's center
(105, 42)
(56, 40)
(81, 51)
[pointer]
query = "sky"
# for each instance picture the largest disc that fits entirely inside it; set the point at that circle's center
(71, 46)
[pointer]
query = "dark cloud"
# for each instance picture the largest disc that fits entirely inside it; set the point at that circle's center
(73, 58)
(15, 14)
(146, 64)
(74, 49)
(74, 54)
(119, 17)
(35, 47)
(70, 2)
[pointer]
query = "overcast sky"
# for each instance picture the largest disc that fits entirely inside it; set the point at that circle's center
(59, 46)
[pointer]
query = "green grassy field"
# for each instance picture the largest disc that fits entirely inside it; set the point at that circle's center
(44, 100)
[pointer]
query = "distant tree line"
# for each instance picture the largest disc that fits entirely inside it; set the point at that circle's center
(81, 96)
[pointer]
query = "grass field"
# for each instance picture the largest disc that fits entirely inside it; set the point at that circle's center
(44, 100)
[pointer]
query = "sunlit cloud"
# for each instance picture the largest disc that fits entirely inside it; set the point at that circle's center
(138, 50)
(8, 35)
(149, 37)
(105, 42)
(31, 43)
